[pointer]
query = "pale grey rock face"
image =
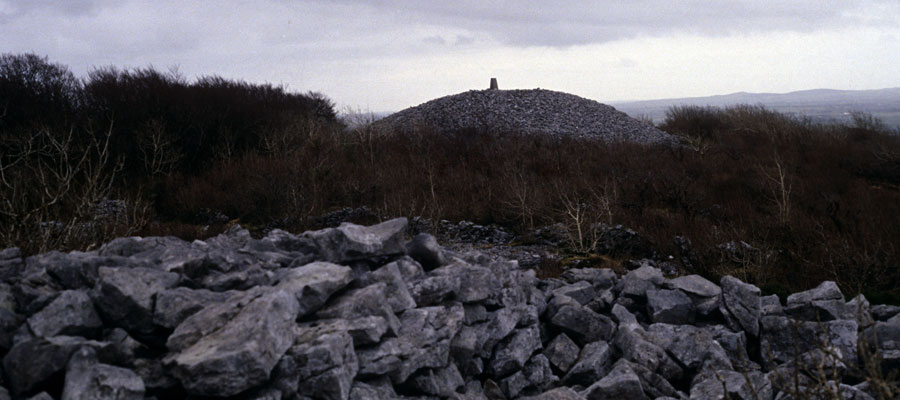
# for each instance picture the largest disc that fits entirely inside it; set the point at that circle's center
(582, 292)
(600, 278)
(735, 385)
(690, 346)
(319, 364)
(242, 352)
(370, 301)
(126, 296)
(174, 305)
(781, 338)
(71, 313)
(583, 324)
(621, 383)
(512, 353)
(475, 283)
(86, 378)
(425, 249)
(30, 363)
(669, 306)
(312, 284)
(440, 382)
(561, 393)
(535, 376)
(350, 242)
(695, 285)
(397, 292)
(742, 302)
(594, 361)
(562, 352)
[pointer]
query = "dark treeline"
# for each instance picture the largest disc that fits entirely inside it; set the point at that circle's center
(772, 199)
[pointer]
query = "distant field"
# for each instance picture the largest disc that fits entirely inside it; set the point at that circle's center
(821, 105)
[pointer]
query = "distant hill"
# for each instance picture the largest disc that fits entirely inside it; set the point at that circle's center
(821, 105)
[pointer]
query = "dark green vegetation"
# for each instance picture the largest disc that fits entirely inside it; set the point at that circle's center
(812, 202)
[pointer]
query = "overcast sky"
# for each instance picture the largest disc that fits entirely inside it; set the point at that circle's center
(388, 55)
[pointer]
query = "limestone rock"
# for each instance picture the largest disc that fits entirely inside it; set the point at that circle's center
(562, 352)
(71, 313)
(669, 306)
(86, 378)
(425, 249)
(741, 301)
(594, 361)
(242, 352)
(350, 242)
(621, 383)
(512, 353)
(320, 365)
(125, 296)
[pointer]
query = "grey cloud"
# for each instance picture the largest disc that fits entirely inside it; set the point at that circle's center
(572, 22)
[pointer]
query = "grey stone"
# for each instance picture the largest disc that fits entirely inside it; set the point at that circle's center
(86, 378)
(593, 364)
(441, 382)
(155, 376)
(475, 283)
(883, 312)
(431, 290)
(621, 383)
(695, 285)
(827, 290)
(241, 352)
(884, 338)
(583, 324)
(771, 305)
(365, 302)
(562, 352)
(71, 313)
(560, 393)
(600, 278)
(582, 292)
(41, 396)
(534, 377)
(735, 345)
(690, 346)
(33, 362)
(173, 306)
(512, 353)
(734, 385)
(860, 308)
(424, 342)
(623, 316)
(425, 249)
(655, 386)
(125, 296)
(741, 301)
(636, 283)
(781, 339)
(350, 242)
(669, 306)
(634, 344)
(321, 365)
(397, 293)
(312, 284)
(364, 330)
(4, 394)
(365, 391)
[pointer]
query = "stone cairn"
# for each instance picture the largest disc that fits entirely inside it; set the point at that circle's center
(359, 312)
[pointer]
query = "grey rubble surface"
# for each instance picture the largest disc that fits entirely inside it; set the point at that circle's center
(360, 312)
(526, 111)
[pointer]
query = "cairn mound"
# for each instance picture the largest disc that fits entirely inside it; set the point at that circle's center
(534, 111)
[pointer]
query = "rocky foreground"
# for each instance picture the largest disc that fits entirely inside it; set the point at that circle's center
(362, 313)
